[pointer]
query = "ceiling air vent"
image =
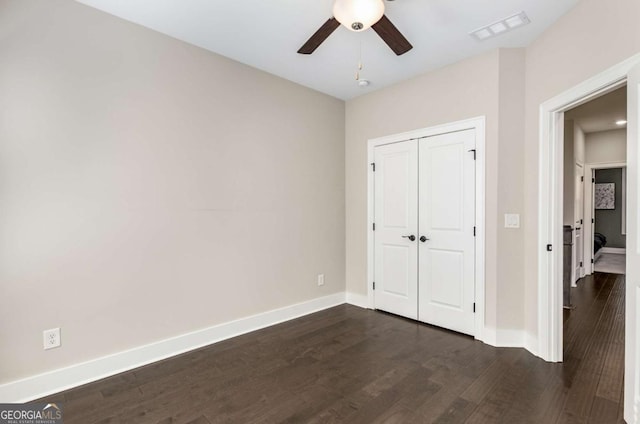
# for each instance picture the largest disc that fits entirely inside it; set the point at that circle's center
(501, 26)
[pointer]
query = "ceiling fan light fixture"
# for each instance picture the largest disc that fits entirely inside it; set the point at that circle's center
(358, 15)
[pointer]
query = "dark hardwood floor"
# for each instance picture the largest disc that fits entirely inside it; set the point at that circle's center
(349, 365)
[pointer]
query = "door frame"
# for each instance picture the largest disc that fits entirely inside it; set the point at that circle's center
(477, 124)
(574, 248)
(550, 200)
(589, 228)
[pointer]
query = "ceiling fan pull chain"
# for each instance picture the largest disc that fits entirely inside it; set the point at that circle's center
(359, 59)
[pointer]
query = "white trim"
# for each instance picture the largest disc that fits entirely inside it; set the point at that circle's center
(550, 201)
(65, 378)
(510, 338)
(614, 250)
(486, 335)
(589, 228)
(531, 343)
(574, 246)
(596, 256)
(357, 299)
(623, 206)
(370, 217)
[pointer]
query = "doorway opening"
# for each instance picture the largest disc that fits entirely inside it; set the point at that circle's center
(549, 341)
(610, 226)
(594, 198)
(594, 195)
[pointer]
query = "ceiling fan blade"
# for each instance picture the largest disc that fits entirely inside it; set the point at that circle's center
(390, 34)
(320, 35)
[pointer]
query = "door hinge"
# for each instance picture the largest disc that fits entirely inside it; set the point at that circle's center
(593, 220)
(580, 222)
(591, 260)
(374, 285)
(549, 248)
(474, 153)
(580, 264)
(474, 307)
(374, 226)
(593, 180)
(474, 231)
(581, 178)
(373, 165)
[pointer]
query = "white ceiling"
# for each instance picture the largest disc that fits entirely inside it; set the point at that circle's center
(602, 113)
(266, 34)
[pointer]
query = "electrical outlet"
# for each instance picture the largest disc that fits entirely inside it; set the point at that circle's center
(51, 338)
(321, 279)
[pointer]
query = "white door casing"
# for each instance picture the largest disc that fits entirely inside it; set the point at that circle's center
(446, 223)
(632, 348)
(396, 220)
(578, 245)
(589, 220)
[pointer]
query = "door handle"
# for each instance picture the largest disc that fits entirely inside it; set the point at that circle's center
(423, 239)
(411, 237)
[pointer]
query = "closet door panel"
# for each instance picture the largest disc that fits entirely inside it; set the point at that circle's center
(446, 270)
(396, 221)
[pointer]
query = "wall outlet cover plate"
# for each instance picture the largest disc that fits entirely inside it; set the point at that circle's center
(51, 338)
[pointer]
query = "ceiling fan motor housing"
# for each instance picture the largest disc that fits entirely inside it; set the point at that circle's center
(358, 15)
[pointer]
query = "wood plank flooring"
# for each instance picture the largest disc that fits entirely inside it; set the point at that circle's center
(349, 365)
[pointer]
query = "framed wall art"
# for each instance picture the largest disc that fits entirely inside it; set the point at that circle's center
(605, 196)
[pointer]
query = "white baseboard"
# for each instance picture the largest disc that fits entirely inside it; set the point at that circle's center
(597, 255)
(489, 336)
(356, 299)
(614, 250)
(65, 378)
(531, 343)
(510, 338)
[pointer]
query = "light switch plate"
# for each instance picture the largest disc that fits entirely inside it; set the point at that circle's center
(511, 220)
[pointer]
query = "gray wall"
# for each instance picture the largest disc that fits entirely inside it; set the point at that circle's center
(609, 222)
(150, 188)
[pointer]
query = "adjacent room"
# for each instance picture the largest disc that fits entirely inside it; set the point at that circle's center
(347, 211)
(594, 226)
(595, 169)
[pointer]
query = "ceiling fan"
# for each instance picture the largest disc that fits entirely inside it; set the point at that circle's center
(359, 15)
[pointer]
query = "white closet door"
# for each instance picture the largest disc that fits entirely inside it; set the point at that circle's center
(396, 219)
(446, 222)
